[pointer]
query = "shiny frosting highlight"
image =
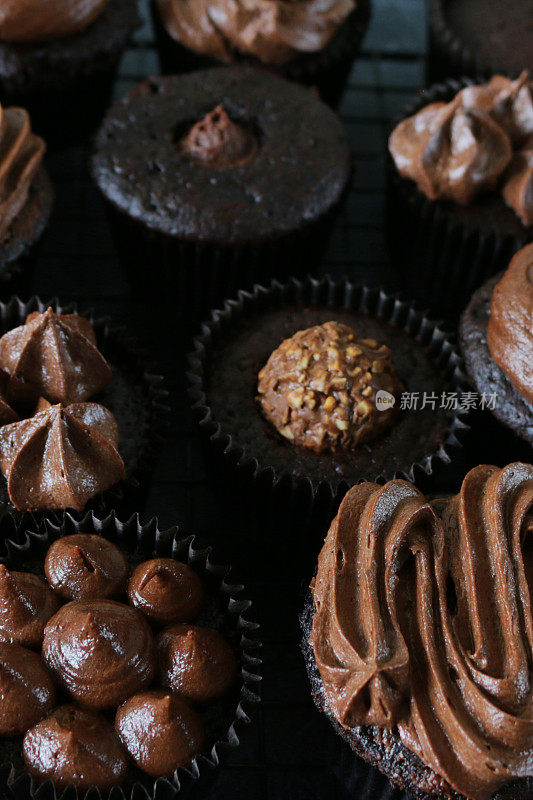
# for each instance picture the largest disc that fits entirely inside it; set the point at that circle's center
(423, 623)
(41, 20)
(274, 31)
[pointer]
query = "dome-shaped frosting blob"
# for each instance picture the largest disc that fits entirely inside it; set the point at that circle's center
(30, 21)
(27, 692)
(26, 605)
(166, 591)
(84, 566)
(61, 457)
(54, 356)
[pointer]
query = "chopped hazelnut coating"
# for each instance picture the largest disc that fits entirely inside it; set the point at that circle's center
(318, 388)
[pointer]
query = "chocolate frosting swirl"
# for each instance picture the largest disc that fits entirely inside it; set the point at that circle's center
(509, 103)
(75, 746)
(274, 31)
(83, 565)
(27, 691)
(53, 356)
(28, 21)
(218, 142)
(510, 327)
(101, 651)
(61, 457)
(423, 622)
(26, 605)
(166, 591)
(21, 154)
(517, 189)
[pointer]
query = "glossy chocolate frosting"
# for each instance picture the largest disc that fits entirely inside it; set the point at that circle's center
(509, 103)
(30, 21)
(318, 389)
(166, 591)
(274, 31)
(26, 605)
(27, 692)
(21, 154)
(75, 746)
(218, 142)
(510, 327)
(53, 356)
(196, 663)
(423, 623)
(100, 651)
(7, 414)
(160, 731)
(84, 566)
(517, 188)
(61, 457)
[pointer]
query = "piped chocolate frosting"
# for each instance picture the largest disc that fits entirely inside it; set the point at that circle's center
(196, 663)
(26, 605)
(100, 651)
(510, 326)
(219, 142)
(160, 731)
(27, 691)
(166, 591)
(423, 623)
(75, 746)
(54, 356)
(28, 21)
(61, 457)
(85, 566)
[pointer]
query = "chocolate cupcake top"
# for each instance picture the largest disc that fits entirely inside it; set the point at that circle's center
(101, 651)
(319, 388)
(196, 663)
(85, 566)
(510, 326)
(27, 21)
(423, 623)
(273, 31)
(54, 356)
(27, 692)
(75, 746)
(166, 591)
(61, 457)
(160, 731)
(21, 155)
(289, 165)
(458, 150)
(26, 605)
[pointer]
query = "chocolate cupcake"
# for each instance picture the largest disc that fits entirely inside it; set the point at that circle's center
(26, 191)
(218, 178)
(465, 42)
(310, 42)
(458, 206)
(75, 747)
(26, 605)
(84, 566)
(26, 689)
(299, 413)
(58, 59)
(496, 335)
(165, 591)
(417, 634)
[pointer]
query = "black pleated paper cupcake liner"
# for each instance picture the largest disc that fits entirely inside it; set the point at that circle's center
(226, 610)
(295, 487)
(136, 396)
(327, 71)
(445, 251)
(200, 275)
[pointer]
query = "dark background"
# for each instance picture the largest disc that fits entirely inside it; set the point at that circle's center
(289, 750)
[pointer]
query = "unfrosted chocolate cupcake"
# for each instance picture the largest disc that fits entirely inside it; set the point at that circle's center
(160, 731)
(235, 171)
(26, 690)
(77, 747)
(313, 42)
(195, 663)
(166, 591)
(417, 634)
(85, 566)
(100, 651)
(26, 605)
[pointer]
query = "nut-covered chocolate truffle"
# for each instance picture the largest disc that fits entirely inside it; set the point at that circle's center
(100, 651)
(75, 746)
(26, 605)
(195, 663)
(86, 566)
(160, 731)
(318, 389)
(27, 692)
(166, 591)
